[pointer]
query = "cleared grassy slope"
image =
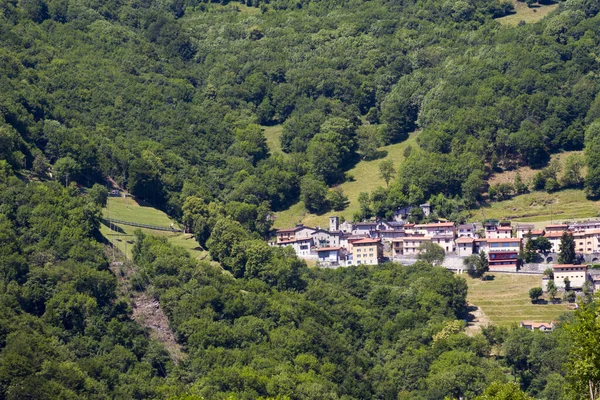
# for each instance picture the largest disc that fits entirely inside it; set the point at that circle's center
(127, 209)
(529, 15)
(566, 205)
(505, 299)
(273, 134)
(366, 179)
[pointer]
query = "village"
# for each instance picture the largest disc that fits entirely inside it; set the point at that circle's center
(398, 240)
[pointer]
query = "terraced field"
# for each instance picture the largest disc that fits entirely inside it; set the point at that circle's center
(541, 208)
(505, 299)
(127, 209)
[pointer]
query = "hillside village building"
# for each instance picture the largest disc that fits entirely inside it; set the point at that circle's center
(503, 253)
(337, 245)
(554, 239)
(331, 256)
(468, 230)
(367, 251)
(522, 230)
(466, 246)
(577, 275)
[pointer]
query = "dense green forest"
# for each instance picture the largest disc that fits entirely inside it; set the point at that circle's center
(271, 327)
(168, 99)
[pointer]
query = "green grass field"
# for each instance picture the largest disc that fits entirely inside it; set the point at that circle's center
(366, 179)
(541, 207)
(529, 15)
(127, 209)
(505, 299)
(272, 134)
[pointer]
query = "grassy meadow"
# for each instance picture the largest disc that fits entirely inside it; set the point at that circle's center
(505, 299)
(541, 207)
(366, 179)
(527, 14)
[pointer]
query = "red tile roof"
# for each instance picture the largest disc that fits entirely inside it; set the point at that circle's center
(568, 266)
(328, 249)
(557, 226)
(555, 234)
(538, 325)
(503, 240)
(366, 241)
(437, 225)
(465, 240)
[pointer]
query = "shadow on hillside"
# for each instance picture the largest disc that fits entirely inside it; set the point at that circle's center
(113, 227)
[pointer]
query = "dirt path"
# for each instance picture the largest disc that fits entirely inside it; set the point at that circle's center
(478, 320)
(146, 309)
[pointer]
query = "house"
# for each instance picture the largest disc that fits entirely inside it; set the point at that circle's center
(536, 233)
(503, 253)
(466, 246)
(445, 242)
(402, 213)
(587, 242)
(467, 230)
(556, 228)
(367, 251)
(585, 226)
(480, 245)
(523, 229)
(299, 231)
(491, 227)
(387, 235)
(554, 239)
(596, 281)
(577, 275)
(437, 229)
(301, 246)
(408, 245)
(349, 241)
(324, 238)
(540, 326)
(331, 256)
(409, 229)
(364, 228)
(504, 232)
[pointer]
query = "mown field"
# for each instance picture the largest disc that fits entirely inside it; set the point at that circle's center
(527, 14)
(127, 209)
(505, 299)
(366, 179)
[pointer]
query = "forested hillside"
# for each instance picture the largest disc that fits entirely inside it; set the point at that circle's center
(168, 99)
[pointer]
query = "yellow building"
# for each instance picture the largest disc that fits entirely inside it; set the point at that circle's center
(367, 251)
